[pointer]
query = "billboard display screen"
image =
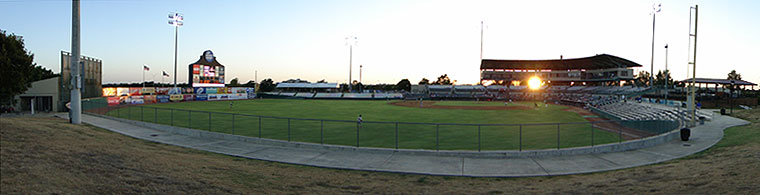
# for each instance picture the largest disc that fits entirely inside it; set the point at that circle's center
(208, 76)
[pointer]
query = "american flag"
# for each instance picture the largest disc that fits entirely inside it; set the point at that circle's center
(165, 74)
(146, 68)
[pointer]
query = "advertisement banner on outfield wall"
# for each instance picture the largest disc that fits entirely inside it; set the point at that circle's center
(147, 90)
(201, 97)
(123, 99)
(136, 99)
(109, 92)
(238, 96)
(122, 91)
(162, 98)
(149, 99)
(211, 90)
(113, 101)
(251, 93)
(162, 91)
(189, 97)
(176, 98)
(175, 91)
(187, 90)
(237, 90)
(134, 90)
(199, 90)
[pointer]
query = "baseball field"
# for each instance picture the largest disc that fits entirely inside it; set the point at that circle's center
(444, 125)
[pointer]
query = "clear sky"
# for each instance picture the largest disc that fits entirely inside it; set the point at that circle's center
(396, 39)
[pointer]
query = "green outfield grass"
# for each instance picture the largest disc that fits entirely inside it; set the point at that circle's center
(379, 128)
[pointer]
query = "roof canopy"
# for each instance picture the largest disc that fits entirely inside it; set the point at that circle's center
(719, 81)
(309, 85)
(594, 62)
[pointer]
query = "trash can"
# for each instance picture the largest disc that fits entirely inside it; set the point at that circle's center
(685, 133)
(722, 111)
(701, 120)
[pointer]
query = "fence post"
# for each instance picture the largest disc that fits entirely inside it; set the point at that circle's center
(259, 126)
(288, 129)
(357, 135)
(171, 116)
(142, 113)
(396, 135)
(233, 124)
(155, 115)
(478, 138)
(592, 135)
(436, 137)
(321, 131)
(118, 112)
(209, 121)
(129, 112)
(620, 135)
(520, 137)
(189, 118)
(557, 136)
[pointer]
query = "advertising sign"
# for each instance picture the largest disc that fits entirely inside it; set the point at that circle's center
(211, 90)
(147, 90)
(134, 90)
(149, 99)
(201, 97)
(136, 99)
(122, 91)
(162, 91)
(175, 90)
(189, 97)
(176, 98)
(162, 98)
(109, 91)
(199, 90)
(237, 90)
(113, 101)
(251, 93)
(123, 99)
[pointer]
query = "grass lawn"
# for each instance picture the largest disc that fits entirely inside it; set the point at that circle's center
(333, 122)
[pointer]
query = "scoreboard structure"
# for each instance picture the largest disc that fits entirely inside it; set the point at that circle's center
(206, 72)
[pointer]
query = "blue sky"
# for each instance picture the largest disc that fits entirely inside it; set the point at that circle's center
(397, 39)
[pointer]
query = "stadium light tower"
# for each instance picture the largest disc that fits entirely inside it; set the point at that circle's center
(176, 20)
(655, 9)
(350, 41)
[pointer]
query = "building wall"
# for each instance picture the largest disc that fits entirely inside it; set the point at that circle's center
(43, 88)
(92, 78)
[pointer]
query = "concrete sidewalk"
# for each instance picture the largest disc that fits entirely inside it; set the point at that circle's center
(702, 137)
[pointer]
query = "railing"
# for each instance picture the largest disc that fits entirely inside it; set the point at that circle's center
(398, 135)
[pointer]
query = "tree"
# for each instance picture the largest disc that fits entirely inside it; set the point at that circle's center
(443, 80)
(404, 85)
(734, 76)
(662, 77)
(234, 82)
(16, 67)
(322, 81)
(250, 83)
(267, 85)
(424, 81)
(642, 79)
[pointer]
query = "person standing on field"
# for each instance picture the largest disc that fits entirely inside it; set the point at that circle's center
(359, 121)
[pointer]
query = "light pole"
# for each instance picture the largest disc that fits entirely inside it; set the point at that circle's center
(176, 20)
(667, 74)
(655, 10)
(360, 73)
(350, 57)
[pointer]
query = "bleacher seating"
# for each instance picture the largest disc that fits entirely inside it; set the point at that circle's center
(328, 95)
(305, 94)
(357, 95)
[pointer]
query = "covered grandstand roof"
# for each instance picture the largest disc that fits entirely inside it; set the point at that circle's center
(719, 81)
(308, 85)
(593, 62)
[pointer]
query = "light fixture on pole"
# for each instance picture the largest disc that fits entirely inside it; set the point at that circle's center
(176, 20)
(667, 74)
(655, 9)
(350, 41)
(360, 73)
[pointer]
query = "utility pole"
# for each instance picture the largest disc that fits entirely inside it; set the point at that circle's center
(360, 73)
(75, 113)
(693, 61)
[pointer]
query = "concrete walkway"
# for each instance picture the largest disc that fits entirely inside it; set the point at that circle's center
(702, 137)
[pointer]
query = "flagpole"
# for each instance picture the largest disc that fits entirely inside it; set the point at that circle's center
(143, 73)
